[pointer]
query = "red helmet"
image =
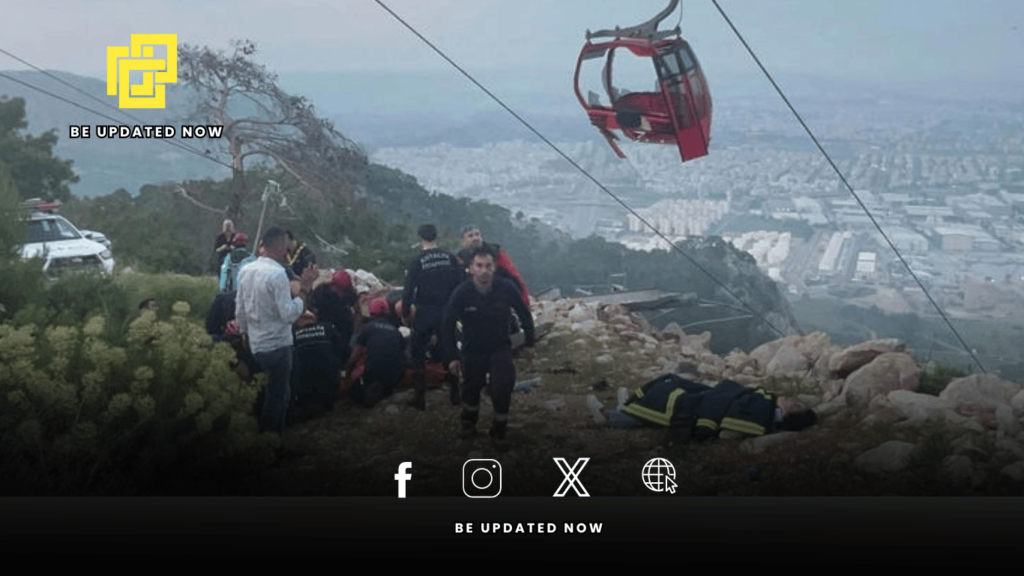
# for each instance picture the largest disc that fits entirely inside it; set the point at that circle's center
(379, 307)
(341, 281)
(240, 239)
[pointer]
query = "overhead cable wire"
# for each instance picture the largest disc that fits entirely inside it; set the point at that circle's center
(177, 144)
(581, 169)
(46, 73)
(850, 188)
(180, 145)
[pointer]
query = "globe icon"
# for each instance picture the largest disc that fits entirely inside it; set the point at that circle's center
(659, 475)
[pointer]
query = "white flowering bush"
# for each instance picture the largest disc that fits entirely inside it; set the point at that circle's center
(82, 414)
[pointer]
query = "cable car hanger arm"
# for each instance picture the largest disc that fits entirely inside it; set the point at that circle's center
(648, 29)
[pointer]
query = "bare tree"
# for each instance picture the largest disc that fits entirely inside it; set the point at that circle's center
(262, 120)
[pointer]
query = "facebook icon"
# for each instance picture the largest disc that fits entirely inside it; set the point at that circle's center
(402, 476)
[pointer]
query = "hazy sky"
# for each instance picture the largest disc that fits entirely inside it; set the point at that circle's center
(937, 42)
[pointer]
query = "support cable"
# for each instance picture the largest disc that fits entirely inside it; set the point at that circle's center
(850, 188)
(582, 170)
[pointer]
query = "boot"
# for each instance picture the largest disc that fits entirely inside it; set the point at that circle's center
(453, 389)
(419, 401)
(468, 423)
(497, 434)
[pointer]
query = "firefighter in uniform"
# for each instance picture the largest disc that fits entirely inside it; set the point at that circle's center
(484, 306)
(430, 278)
(690, 409)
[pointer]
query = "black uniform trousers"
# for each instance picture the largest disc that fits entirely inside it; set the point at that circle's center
(426, 324)
(502, 371)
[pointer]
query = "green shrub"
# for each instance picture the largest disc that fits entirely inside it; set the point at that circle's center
(197, 291)
(21, 284)
(934, 380)
(80, 415)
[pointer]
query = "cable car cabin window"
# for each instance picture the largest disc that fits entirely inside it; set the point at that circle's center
(689, 63)
(697, 87)
(591, 78)
(668, 67)
(632, 76)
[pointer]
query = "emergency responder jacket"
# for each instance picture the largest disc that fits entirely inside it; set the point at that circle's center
(503, 267)
(430, 278)
(703, 411)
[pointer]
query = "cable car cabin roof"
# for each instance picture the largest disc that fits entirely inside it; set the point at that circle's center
(677, 112)
(643, 47)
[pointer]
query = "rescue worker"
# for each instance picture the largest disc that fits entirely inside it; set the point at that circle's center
(484, 306)
(317, 365)
(693, 410)
(332, 302)
(430, 278)
(473, 239)
(380, 343)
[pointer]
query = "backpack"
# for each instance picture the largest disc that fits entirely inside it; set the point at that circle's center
(229, 269)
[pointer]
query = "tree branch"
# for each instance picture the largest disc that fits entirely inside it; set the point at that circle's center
(184, 193)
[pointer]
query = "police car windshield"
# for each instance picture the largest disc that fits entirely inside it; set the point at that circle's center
(50, 230)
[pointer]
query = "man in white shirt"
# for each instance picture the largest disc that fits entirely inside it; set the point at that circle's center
(266, 306)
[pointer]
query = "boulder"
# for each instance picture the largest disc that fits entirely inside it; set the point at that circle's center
(764, 353)
(983, 391)
(696, 344)
(1006, 421)
(589, 326)
(1014, 471)
(814, 345)
(672, 331)
(886, 372)
(759, 444)
(918, 407)
(833, 387)
(892, 456)
(852, 358)
(1017, 403)
(614, 313)
(830, 407)
(788, 360)
(580, 312)
(881, 410)
(1010, 446)
(739, 361)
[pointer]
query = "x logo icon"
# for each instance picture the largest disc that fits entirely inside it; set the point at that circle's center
(572, 477)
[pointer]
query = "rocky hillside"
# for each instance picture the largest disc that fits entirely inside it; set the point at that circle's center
(879, 433)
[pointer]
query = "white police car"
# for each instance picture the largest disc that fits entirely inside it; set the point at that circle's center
(64, 247)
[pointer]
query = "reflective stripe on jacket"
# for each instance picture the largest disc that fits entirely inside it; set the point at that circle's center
(702, 410)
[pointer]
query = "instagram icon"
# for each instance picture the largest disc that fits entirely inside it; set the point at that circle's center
(481, 478)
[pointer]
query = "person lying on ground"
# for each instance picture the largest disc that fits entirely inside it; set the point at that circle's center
(693, 410)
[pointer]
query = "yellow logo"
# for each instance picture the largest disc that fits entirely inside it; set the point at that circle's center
(123, 60)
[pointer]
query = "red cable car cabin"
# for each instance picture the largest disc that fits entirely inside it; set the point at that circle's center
(678, 111)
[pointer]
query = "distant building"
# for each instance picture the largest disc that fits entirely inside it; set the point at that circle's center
(907, 240)
(928, 214)
(953, 240)
(966, 238)
(980, 296)
(867, 265)
(827, 264)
